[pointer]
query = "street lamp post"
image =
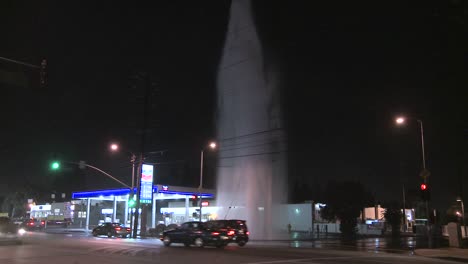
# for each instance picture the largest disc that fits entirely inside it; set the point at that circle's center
(459, 199)
(421, 129)
(400, 121)
(134, 217)
(422, 146)
(200, 199)
(115, 147)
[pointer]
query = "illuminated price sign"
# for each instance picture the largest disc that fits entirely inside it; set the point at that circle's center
(146, 184)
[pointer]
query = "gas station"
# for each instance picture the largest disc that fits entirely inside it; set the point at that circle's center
(170, 205)
(159, 204)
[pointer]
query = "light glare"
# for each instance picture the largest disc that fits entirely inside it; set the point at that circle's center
(114, 147)
(21, 231)
(400, 120)
(212, 145)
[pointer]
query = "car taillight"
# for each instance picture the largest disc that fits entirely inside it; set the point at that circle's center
(231, 233)
(117, 228)
(128, 229)
(31, 224)
(215, 233)
(42, 223)
(248, 233)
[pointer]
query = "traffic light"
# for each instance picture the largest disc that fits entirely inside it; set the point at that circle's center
(425, 193)
(131, 202)
(194, 201)
(55, 165)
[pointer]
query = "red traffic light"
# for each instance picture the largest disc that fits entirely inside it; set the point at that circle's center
(423, 187)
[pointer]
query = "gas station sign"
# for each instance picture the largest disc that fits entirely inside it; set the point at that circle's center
(146, 184)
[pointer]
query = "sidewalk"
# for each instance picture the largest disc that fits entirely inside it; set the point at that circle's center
(456, 254)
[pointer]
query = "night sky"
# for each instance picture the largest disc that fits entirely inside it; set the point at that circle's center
(346, 71)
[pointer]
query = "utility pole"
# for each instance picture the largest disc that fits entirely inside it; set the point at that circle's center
(147, 83)
(404, 210)
(132, 189)
(137, 206)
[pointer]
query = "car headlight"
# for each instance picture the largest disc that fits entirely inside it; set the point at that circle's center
(21, 231)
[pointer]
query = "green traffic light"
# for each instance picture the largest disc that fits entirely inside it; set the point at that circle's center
(131, 202)
(55, 165)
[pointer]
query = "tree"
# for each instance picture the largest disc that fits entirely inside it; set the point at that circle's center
(393, 216)
(345, 201)
(15, 203)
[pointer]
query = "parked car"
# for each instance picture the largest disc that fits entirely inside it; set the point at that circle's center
(196, 233)
(111, 229)
(236, 229)
(9, 230)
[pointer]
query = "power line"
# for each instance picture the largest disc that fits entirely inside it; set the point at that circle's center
(253, 146)
(251, 134)
(20, 62)
(255, 154)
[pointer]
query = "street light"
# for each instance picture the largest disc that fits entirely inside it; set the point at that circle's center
(115, 147)
(459, 199)
(212, 145)
(136, 184)
(400, 121)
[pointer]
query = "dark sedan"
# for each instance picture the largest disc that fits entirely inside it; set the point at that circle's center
(196, 233)
(111, 229)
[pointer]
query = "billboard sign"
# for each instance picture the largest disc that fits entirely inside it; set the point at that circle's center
(146, 184)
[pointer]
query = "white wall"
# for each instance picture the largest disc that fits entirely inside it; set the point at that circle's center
(299, 216)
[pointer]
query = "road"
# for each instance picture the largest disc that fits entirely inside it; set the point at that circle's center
(84, 249)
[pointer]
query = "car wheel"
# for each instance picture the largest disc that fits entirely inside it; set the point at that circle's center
(198, 242)
(221, 245)
(187, 244)
(94, 233)
(124, 236)
(241, 243)
(167, 241)
(109, 234)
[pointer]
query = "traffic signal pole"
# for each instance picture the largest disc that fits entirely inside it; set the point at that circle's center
(429, 233)
(41, 68)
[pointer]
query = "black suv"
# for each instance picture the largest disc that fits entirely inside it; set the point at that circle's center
(196, 233)
(236, 229)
